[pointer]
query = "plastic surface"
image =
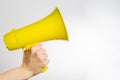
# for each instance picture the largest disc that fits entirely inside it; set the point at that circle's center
(50, 28)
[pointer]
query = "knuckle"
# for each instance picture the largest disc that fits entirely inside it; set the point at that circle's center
(40, 45)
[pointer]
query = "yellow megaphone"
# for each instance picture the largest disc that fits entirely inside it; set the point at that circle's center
(51, 27)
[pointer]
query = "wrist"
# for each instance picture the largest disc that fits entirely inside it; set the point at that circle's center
(27, 73)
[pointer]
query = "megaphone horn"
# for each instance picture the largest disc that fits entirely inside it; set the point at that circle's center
(51, 27)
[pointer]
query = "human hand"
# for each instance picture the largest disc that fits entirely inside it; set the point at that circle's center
(35, 59)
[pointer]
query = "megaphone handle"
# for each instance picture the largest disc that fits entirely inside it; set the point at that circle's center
(30, 46)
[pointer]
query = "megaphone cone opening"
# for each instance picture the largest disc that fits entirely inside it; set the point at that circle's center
(64, 26)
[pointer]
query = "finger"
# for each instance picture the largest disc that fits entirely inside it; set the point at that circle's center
(41, 52)
(45, 63)
(35, 48)
(44, 58)
(45, 55)
(27, 52)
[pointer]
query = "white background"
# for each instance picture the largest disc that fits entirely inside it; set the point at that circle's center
(92, 52)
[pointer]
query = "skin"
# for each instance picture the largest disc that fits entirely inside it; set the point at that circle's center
(34, 61)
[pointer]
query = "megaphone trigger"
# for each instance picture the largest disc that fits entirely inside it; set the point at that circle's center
(44, 69)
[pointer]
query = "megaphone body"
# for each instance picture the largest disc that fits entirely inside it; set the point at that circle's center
(51, 27)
